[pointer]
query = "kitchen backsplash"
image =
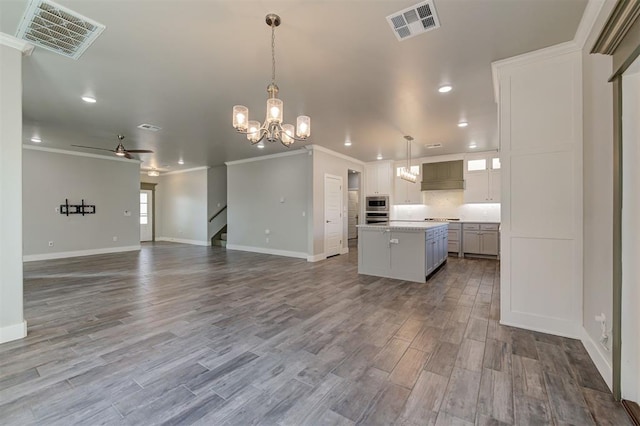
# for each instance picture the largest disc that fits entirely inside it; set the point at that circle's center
(447, 204)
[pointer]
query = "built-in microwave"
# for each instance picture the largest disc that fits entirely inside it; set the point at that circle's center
(377, 203)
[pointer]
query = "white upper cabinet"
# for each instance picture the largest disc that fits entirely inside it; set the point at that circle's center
(482, 178)
(378, 178)
(406, 192)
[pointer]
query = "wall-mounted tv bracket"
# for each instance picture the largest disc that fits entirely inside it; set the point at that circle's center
(82, 209)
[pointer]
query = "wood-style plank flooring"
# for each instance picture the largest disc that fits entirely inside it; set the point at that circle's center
(179, 334)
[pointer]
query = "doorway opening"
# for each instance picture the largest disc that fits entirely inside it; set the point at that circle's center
(353, 208)
(630, 238)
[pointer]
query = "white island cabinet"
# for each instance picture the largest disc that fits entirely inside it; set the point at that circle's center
(407, 251)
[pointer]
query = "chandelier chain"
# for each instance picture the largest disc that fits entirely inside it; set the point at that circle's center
(273, 54)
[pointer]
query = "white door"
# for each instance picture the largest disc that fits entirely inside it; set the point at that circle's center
(352, 219)
(146, 215)
(332, 215)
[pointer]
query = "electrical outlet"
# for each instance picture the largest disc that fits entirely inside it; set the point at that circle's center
(50, 243)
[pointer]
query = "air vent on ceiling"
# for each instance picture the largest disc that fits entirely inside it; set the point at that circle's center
(150, 127)
(414, 20)
(56, 28)
(433, 145)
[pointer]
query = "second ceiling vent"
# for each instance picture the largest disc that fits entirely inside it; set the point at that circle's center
(414, 20)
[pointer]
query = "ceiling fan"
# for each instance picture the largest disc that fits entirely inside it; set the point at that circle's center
(120, 150)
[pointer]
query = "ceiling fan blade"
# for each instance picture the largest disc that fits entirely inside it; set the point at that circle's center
(139, 150)
(93, 147)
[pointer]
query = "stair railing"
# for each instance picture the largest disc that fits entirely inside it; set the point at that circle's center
(219, 211)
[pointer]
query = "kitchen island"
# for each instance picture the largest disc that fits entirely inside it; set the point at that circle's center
(409, 251)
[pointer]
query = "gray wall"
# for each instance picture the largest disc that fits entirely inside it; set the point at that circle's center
(327, 163)
(216, 198)
(112, 185)
(270, 193)
(183, 205)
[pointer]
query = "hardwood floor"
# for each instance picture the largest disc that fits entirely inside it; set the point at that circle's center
(179, 334)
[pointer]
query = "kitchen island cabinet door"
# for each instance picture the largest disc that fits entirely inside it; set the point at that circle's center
(430, 249)
(374, 252)
(406, 255)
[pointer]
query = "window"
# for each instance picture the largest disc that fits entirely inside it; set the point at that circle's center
(414, 169)
(495, 163)
(475, 165)
(144, 205)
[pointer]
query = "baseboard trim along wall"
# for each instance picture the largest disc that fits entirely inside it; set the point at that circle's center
(316, 257)
(598, 357)
(78, 253)
(184, 241)
(263, 250)
(13, 332)
(556, 326)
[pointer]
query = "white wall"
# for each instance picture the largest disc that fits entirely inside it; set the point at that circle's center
(109, 183)
(12, 324)
(598, 197)
(329, 162)
(540, 110)
(270, 194)
(183, 203)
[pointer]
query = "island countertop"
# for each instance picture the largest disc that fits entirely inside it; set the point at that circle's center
(407, 226)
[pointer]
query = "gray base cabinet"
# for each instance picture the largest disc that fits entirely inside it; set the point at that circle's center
(481, 238)
(454, 235)
(436, 248)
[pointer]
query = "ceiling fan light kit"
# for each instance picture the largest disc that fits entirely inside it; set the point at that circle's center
(272, 129)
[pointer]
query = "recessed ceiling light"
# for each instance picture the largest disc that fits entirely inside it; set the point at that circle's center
(89, 99)
(463, 124)
(36, 139)
(347, 143)
(473, 145)
(260, 145)
(379, 157)
(433, 145)
(445, 89)
(180, 161)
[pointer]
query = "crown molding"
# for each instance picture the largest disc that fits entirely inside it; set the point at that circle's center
(334, 153)
(589, 18)
(177, 172)
(620, 20)
(302, 150)
(16, 43)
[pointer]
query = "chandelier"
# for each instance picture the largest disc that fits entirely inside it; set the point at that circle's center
(272, 129)
(405, 172)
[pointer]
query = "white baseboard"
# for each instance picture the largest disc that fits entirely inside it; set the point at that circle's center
(316, 257)
(598, 357)
(13, 332)
(555, 326)
(263, 250)
(344, 250)
(184, 241)
(78, 253)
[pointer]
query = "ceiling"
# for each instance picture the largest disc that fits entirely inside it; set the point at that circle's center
(182, 65)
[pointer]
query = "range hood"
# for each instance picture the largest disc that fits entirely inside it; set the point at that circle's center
(445, 175)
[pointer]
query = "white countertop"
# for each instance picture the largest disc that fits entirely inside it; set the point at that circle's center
(407, 226)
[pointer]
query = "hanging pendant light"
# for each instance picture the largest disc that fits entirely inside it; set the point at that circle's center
(405, 172)
(272, 129)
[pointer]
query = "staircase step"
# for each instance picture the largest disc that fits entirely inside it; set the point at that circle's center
(223, 236)
(219, 243)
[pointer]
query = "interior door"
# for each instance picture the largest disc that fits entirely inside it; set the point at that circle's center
(146, 215)
(353, 208)
(332, 215)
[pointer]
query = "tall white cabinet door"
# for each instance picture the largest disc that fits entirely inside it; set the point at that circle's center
(494, 186)
(475, 190)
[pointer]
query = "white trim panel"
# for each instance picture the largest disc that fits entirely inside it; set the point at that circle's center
(65, 254)
(80, 154)
(16, 43)
(13, 332)
(267, 157)
(177, 172)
